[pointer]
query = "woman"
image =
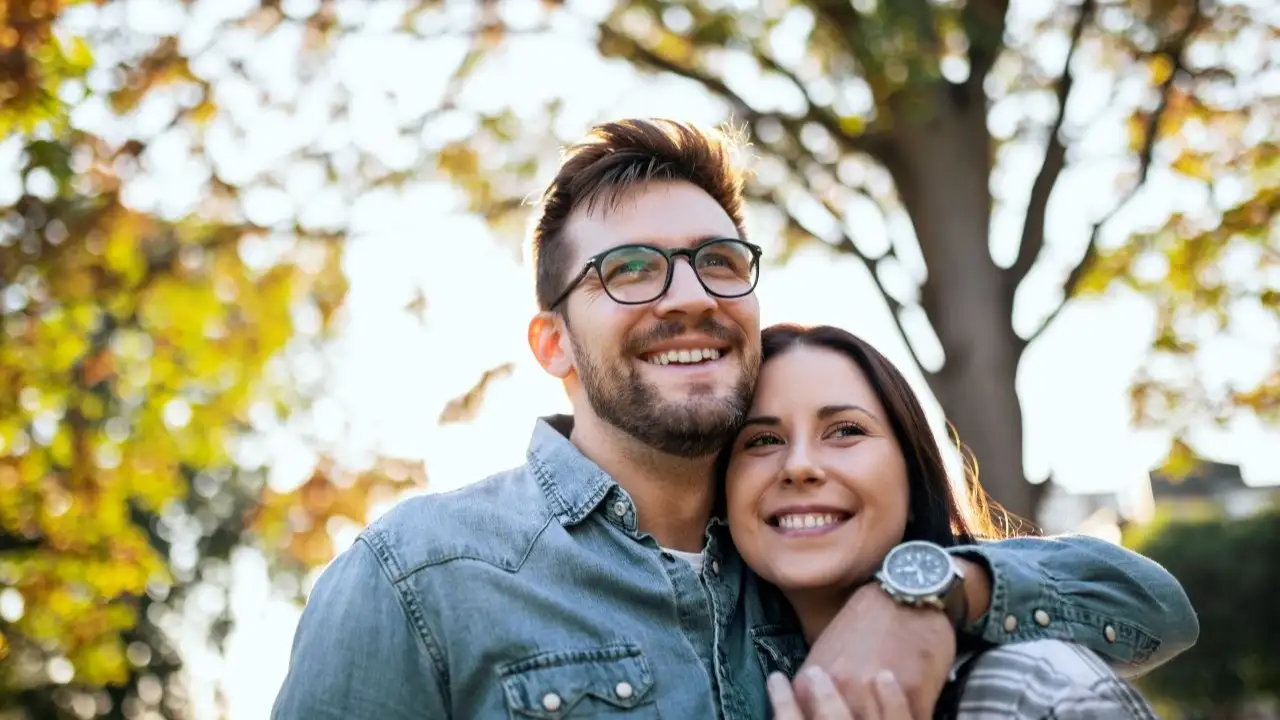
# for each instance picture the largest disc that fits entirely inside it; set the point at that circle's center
(833, 468)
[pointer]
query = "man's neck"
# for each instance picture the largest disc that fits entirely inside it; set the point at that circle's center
(673, 495)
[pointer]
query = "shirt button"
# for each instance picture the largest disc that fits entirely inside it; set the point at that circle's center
(1110, 633)
(1042, 618)
(715, 567)
(551, 702)
(1010, 623)
(624, 690)
(620, 509)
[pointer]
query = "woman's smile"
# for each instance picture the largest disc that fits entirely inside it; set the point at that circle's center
(807, 521)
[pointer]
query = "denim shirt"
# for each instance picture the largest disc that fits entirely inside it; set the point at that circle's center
(532, 594)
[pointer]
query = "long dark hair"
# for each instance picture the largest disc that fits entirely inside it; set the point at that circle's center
(938, 512)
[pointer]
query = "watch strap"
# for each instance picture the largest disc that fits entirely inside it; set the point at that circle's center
(955, 603)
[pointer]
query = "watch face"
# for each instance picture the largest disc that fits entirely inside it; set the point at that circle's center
(918, 568)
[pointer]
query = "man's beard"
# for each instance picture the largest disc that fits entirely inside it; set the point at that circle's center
(695, 428)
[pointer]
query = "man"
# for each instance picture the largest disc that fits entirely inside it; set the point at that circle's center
(597, 579)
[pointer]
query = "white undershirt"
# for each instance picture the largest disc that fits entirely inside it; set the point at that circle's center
(694, 559)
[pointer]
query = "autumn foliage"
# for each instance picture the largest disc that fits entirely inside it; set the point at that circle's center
(137, 350)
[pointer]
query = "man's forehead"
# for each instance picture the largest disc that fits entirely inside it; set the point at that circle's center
(663, 213)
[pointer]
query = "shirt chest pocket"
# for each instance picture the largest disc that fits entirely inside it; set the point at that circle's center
(608, 682)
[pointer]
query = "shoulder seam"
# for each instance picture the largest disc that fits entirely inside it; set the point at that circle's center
(376, 543)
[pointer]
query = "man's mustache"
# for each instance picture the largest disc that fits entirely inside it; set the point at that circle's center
(671, 330)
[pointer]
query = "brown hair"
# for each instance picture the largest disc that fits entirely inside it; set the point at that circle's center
(617, 156)
(938, 512)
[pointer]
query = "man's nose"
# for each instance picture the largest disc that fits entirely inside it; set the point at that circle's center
(686, 293)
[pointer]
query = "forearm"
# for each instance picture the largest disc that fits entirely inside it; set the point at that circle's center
(1079, 589)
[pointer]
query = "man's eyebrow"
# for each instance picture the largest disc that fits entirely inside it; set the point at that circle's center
(690, 242)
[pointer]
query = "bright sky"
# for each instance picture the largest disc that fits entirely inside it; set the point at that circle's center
(393, 372)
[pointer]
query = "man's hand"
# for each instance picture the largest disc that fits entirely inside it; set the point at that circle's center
(872, 634)
(819, 700)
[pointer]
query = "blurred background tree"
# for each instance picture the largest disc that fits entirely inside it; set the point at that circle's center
(1225, 566)
(890, 131)
(141, 348)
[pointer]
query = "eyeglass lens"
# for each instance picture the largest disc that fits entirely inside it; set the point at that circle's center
(634, 274)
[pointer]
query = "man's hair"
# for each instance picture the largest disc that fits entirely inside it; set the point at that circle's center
(616, 157)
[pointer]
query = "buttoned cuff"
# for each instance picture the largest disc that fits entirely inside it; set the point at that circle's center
(1026, 605)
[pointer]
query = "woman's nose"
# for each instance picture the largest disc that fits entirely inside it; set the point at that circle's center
(800, 467)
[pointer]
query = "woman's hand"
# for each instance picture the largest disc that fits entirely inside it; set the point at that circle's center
(819, 700)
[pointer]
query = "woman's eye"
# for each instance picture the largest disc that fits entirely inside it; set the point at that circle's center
(848, 430)
(764, 439)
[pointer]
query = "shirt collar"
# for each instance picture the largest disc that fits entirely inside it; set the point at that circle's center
(574, 484)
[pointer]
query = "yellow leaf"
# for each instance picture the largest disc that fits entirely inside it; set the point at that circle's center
(1161, 68)
(1194, 166)
(204, 112)
(78, 54)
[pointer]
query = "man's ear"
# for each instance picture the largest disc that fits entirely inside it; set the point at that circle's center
(549, 341)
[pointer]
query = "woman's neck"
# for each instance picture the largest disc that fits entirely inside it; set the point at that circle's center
(816, 608)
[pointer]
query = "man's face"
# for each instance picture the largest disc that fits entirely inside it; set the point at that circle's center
(637, 363)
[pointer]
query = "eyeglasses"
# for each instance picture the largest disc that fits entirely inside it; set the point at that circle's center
(639, 274)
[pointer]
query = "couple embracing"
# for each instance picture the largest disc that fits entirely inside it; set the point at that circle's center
(734, 523)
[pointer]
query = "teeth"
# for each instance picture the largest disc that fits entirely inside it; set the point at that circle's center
(684, 356)
(807, 520)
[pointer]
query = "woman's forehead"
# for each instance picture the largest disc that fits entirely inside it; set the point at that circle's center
(808, 378)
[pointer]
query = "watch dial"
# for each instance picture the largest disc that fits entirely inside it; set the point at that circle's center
(918, 567)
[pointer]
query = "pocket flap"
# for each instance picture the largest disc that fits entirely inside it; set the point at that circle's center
(551, 684)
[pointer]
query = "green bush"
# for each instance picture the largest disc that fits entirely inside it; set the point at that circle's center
(1231, 572)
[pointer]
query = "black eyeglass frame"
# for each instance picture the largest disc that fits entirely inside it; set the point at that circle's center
(689, 254)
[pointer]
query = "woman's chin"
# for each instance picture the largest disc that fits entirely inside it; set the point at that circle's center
(808, 577)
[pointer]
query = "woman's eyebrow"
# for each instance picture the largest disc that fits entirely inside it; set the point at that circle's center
(824, 412)
(828, 410)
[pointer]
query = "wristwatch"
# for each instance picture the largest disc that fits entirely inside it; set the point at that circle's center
(922, 574)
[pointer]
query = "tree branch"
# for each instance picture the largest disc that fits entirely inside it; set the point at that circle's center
(984, 23)
(1055, 159)
(841, 16)
(872, 144)
(1145, 155)
(642, 56)
(844, 244)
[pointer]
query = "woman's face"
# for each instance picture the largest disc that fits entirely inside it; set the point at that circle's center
(816, 487)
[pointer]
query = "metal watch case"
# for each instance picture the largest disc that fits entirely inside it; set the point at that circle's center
(923, 574)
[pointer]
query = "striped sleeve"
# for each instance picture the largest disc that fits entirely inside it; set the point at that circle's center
(1047, 680)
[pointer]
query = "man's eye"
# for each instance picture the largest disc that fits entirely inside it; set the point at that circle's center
(629, 269)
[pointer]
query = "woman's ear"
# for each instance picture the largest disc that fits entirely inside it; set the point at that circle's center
(549, 341)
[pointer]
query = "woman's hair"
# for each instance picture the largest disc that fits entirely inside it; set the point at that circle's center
(938, 512)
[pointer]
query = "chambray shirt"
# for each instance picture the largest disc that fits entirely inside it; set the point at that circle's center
(533, 594)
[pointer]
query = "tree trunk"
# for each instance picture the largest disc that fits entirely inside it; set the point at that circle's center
(942, 168)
